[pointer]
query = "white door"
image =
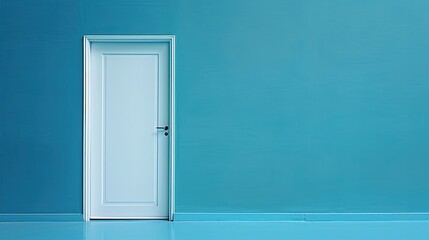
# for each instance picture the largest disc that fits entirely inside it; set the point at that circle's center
(128, 108)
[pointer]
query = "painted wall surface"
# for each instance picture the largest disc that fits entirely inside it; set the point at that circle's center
(282, 106)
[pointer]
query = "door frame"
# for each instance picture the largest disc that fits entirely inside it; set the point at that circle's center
(87, 40)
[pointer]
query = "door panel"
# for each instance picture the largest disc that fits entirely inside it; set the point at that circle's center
(129, 91)
(130, 112)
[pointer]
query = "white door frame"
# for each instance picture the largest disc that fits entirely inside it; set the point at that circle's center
(87, 40)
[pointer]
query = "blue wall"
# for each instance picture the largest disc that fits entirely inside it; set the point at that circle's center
(282, 106)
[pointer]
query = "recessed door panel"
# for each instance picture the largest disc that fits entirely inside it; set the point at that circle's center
(130, 112)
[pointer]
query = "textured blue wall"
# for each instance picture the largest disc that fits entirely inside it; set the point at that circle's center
(283, 106)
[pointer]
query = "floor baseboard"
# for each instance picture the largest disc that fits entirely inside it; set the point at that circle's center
(301, 216)
(54, 217)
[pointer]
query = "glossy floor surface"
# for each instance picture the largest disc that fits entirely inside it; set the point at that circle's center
(148, 230)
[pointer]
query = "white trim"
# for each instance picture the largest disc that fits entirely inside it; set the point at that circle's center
(87, 40)
(86, 170)
(173, 128)
(132, 218)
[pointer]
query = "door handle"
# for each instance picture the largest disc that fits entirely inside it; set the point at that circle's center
(163, 128)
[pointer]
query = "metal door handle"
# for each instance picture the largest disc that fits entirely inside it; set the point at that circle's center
(163, 128)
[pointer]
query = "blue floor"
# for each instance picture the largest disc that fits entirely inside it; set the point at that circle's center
(147, 230)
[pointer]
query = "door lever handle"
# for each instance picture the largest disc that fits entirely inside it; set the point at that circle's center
(163, 128)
